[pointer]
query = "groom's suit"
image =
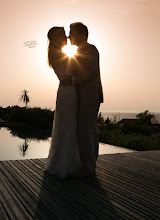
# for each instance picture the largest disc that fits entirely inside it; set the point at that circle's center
(89, 97)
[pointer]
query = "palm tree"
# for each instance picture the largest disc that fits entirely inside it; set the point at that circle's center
(24, 97)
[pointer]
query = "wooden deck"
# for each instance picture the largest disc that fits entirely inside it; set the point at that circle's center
(127, 186)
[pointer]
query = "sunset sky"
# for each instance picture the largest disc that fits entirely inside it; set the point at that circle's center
(126, 33)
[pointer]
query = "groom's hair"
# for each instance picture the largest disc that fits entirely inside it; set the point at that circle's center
(79, 28)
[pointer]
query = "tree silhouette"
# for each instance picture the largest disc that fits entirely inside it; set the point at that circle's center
(100, 119)
(24, 147)
(107, 121)
(146, 117)
(24, 97)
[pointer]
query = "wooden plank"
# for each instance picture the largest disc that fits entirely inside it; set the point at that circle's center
(25, 196)
(135, 193)
(126, 187)
(35, 186)
(68, 193)
(135, 166)
(115, 196)
(3, 213)
(152, 156)
(130, 186)
(11, 204)
(127, 172)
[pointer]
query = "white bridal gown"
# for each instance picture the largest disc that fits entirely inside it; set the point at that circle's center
(63, 158)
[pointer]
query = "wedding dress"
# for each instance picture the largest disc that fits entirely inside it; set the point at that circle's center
(63, 158)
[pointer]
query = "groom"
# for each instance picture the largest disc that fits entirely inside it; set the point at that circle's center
(89, 96)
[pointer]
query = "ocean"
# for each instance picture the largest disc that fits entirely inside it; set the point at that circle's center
(117, 116)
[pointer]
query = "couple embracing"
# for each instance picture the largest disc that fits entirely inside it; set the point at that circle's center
(74, 141)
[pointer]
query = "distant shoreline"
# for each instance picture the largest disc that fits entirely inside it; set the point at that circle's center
(103, 111)
(127, 115)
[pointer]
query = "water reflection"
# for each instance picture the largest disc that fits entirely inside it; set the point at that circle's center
(23, 142)
(27, 132)
(24, 147)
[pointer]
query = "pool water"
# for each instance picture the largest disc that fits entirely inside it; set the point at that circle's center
(18, 145)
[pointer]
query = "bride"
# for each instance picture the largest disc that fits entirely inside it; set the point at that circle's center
(63, 158)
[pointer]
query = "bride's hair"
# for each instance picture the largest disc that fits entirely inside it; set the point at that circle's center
(54, 44)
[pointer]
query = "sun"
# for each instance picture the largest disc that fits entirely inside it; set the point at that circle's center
(69, 49)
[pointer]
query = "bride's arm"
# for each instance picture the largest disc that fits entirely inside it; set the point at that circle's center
(62, 67)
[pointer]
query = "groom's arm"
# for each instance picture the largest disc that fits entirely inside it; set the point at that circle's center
(87, 66)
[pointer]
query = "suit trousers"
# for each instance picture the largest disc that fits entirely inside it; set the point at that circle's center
(87, 134)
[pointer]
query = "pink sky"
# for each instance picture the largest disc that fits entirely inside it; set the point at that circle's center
(126, 33)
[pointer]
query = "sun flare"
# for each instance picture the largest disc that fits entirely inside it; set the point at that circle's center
(69, 49)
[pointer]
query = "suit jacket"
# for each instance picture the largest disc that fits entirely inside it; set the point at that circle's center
(87, 78)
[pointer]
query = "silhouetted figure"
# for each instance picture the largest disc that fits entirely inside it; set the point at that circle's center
(63, 158)
(89, 96)
(74, 141)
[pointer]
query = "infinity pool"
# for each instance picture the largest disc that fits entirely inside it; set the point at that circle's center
(18, 145)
